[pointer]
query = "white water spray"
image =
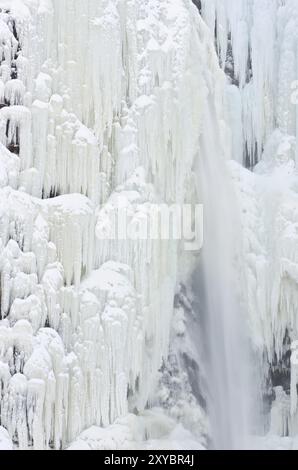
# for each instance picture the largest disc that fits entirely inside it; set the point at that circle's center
(227, 370)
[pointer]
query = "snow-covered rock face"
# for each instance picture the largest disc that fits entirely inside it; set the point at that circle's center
(102, 103)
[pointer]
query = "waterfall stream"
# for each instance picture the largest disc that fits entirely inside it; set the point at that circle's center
(224, 323)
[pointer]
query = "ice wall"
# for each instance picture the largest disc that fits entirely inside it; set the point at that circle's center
(102, 104)
(257, 46)
(256, 42)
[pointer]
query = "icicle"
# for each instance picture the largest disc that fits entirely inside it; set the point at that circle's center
(14, 92)
(90, 319)
(15, 132)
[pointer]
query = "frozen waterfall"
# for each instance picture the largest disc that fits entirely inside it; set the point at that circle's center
(87, 323)
(139, 343)
(256, 41)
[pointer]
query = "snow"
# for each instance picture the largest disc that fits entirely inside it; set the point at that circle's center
(5, 441)
(151, 430)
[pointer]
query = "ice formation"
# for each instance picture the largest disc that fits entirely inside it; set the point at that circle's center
(112, 104)
(256, 42)
(86, 322)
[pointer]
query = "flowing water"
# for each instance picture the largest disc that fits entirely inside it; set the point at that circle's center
(224, 323)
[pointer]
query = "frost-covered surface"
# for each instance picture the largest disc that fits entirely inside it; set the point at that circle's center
(86, 323)
(107, 104)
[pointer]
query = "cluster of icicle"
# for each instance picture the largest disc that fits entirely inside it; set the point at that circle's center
(256, 41)
(257, 44)
(103, 110)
